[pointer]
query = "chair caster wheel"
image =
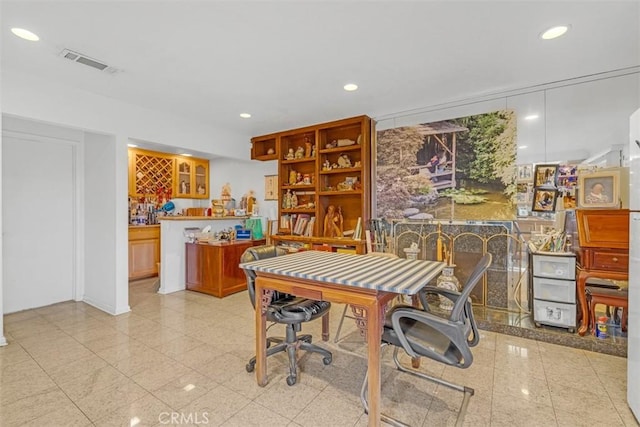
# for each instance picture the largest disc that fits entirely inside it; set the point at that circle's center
(250, 367)
(327, 360)
(291, 380)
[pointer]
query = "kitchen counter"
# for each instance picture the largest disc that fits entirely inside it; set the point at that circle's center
(172, 245)
(200, 218)
(134, 227)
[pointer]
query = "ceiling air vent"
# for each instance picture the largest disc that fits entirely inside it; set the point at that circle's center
(84, 59)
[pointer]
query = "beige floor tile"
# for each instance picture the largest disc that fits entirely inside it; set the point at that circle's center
(76, 369)
(159, 374)
(178, 346)
(223, 367)
(94, 381)
(329, 409)
(99, 403)
(31, 387)
(286, 400)
(185, 389)
(533, 416)
(12, 354)
(141, 361)
(158, 337)
(198, 356)
(27, 409)
(146, 411)
(583, 404)
(103, 343)
(65, 414)
(256, 415)
(55, 358)
(217, 406)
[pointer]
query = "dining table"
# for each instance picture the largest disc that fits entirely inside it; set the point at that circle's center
(365, 282)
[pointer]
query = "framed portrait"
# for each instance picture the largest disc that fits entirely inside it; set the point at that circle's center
(524, 173)
(599, 190)
(545, 175)
(544, 200)
(271, 187)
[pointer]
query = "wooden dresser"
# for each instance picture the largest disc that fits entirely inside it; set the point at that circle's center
(213, 268)
(603, 250)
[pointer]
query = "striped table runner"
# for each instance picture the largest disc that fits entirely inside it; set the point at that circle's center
(397, 275)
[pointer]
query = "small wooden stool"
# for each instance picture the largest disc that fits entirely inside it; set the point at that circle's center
(609, 297)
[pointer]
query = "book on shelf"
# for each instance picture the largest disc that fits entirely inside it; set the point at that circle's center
(309, 229)
(357, 232)
(300, 224)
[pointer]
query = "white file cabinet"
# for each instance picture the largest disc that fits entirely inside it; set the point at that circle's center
(554, 289)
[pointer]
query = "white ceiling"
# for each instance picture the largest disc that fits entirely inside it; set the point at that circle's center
(285, 62)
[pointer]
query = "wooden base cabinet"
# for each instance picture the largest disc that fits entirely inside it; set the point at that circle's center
(144, 251)
(213, 269)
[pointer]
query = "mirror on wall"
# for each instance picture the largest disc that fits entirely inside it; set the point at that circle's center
(567, 122)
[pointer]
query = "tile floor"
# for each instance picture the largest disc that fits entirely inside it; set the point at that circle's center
(180, 359)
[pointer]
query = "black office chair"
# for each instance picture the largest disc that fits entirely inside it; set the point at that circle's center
(444, 339)
(289, 310)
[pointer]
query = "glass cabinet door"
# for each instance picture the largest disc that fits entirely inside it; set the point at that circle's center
(183, 179)
(201, 179)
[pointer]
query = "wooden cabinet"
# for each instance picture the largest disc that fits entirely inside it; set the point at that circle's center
(149, 171)
(191, 178)
(603, 251)
(144, 251)
(265, 148)
(213, 269)
(319, 166)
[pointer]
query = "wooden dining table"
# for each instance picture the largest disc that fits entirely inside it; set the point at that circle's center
(365, 282)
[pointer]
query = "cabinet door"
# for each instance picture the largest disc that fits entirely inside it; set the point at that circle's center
(193, 256)
(143, 258)
(183, 181)
(201, 179)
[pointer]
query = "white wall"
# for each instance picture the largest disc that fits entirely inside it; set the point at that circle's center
(100, 224)
(244, 176)
(3, 340)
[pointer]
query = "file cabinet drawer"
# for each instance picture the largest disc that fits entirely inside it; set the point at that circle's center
(554, 313)
(554, 290)
(554, 267)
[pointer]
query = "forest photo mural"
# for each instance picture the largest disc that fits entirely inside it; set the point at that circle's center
(459, 169)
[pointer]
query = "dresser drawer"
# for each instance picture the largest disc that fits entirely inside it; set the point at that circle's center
(554, 267)
(609, 260)
(554, 290)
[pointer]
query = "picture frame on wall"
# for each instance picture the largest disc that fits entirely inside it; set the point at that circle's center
(271, 187)
(544, 200)
(599, 190)
(524, 173)
(545, 175)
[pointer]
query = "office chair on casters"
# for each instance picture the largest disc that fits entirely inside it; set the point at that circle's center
(420, 332)
(289, 310)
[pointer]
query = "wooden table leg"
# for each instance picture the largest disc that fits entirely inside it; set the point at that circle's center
(325, 327)
(263, 299)
(582, 300)
(374, 325)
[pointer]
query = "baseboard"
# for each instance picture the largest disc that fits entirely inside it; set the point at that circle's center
(3, 341)
(106, 307)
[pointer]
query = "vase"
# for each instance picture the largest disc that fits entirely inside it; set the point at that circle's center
(449, 282)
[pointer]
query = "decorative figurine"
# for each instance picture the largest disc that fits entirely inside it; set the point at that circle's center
(294, 201)
(299, 178)
(307, 148)
(271, 151)
(286, 200)
(333, 222)
(306, 179)
(292, 177)
(226, 192)
(299, 153)
(290, 155)
(344, 161)
(326, 165)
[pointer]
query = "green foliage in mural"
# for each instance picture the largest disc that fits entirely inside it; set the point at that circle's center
(487, 153)
(396, 152)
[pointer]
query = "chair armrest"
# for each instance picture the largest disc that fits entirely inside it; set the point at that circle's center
(452, 330)
(451, 295)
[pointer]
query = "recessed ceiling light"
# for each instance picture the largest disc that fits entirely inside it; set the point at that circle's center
(186, 154)
(554, 32)
(245, 115)
(531, 117)
(350, 87)
(25, 34)
(522, 147)
(132, 145)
